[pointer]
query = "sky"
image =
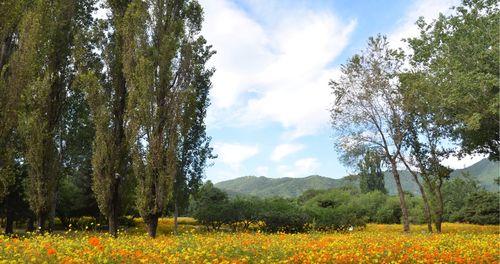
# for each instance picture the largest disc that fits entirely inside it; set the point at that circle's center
(270, 97)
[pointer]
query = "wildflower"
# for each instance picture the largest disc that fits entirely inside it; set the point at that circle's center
(94, 241)
(51, 251)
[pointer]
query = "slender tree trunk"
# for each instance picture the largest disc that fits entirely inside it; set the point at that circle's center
(427, 208)
(152, 224)
(40, 222)
(30, 224)
(176, 215)
(9, 222)
(402, 202)
(52, 214)
(439, 210)
(113, 212)
(113, 222)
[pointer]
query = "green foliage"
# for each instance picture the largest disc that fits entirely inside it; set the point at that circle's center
(456, 63)
(281, 215)
(455, 194)
(210, 207)
(371, 177)
(41, 79)
(368, 111)
(465, 201)
(482, 208)
(333, 210)
(167, 85)
(389, 212)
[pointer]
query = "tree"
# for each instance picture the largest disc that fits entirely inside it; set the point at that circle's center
(194, 149)
(11, 12)
(482, 208)
(371, 177)
(41, 73)
(15, 206)
(425, 141)
(456, 56)
(168, 97)
(75, 197)
(209, 206)
(101, 77)
(367, 109)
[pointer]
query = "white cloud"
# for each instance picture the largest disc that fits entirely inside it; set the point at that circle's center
(429, 9)
(455, 162)
(284, 150)
(301, 168)
(273, 73)
(234, 154)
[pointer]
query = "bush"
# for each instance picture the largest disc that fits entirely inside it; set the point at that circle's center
(482, 208)
(243, 212)
(211, 207)
(334, 210)
(281, 215)
(389, 212)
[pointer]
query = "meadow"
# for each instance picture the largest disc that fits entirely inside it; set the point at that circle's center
(459, 243)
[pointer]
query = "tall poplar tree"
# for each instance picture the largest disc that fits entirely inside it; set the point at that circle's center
(41, 73)
(164, 64)
(106, 93)
(194, 148)
(11, 14)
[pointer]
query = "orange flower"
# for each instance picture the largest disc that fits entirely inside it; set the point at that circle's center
(51, 251)
(94, 241)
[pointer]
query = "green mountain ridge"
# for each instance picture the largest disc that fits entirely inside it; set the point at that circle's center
(484, 171)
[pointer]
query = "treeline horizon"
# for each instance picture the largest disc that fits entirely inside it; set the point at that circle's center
(340, 208)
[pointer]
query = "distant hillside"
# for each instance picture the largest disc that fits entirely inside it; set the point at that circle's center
(484, 171)
(284, 187)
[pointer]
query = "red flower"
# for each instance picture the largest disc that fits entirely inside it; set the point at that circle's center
(51, 251)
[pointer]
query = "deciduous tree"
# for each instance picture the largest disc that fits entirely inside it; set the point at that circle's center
(367, 109)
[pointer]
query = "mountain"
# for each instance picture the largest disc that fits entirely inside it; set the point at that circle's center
(484, 172)
(284, 187)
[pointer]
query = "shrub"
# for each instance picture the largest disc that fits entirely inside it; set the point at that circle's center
(482, 208)
(281, 215)
(334, 210)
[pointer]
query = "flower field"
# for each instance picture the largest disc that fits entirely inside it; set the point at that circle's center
(460, 243)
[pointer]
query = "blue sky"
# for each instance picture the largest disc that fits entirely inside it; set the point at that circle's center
(269, 113)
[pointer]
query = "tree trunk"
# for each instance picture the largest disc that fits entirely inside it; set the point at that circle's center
(52, 214)
(439, 210)
(30, 224)
(176, 215)
(152, 224)
(113, 221)
(6, 50)
(9, 222)
(427, 208)
(40, 222)
(402, 202)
